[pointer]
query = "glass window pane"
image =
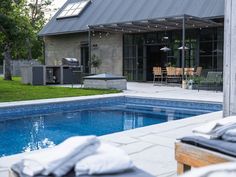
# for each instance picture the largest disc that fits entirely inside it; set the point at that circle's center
(76, 11)
(76, 6)
(83, 4)
(206, 62)
(69, 6)
(63, 13)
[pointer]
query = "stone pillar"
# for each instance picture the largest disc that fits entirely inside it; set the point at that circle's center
(230, 58)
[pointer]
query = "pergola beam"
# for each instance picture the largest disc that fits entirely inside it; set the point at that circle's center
(160, 24)
(137, 27)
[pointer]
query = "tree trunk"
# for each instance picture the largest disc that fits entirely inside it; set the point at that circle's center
(29, 49)
(7, 58)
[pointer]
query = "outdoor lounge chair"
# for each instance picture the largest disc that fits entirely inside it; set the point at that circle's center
(213, 80)
(195, 151)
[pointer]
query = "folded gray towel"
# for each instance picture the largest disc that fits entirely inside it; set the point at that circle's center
(230, 135)
(221, 130)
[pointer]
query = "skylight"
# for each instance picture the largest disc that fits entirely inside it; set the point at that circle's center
(73, 9)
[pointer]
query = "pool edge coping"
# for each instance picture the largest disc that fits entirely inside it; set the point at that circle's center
(81, 98)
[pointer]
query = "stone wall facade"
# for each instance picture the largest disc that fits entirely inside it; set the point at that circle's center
(62, 46)
(108, 47)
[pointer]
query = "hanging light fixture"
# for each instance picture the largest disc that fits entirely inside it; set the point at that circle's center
(165, 49)
(217, 51)
(185, 48)
(165, 36)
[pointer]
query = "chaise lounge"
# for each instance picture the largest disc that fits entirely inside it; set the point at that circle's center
(196, 151)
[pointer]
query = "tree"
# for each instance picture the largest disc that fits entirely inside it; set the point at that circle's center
(14, 27)
(20, 22)
(36, 11)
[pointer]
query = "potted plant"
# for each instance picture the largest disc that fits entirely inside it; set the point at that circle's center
(194, 81)
(95, 62)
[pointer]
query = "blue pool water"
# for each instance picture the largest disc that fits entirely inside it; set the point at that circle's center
(29, 128)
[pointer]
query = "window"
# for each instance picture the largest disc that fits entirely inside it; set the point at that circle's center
(73, 9)
(211, 49)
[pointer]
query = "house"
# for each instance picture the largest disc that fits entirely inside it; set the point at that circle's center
(132, 36)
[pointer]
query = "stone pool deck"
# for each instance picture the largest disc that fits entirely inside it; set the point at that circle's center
(151, 148)
(171, 92)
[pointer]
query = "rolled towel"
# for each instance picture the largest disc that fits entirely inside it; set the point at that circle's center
(209, 130)
(229, 135)
(60, 159)
(107, 160)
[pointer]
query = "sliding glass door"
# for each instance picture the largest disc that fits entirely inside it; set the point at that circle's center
(134, 64)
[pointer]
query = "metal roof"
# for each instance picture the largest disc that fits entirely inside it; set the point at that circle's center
(101, 12)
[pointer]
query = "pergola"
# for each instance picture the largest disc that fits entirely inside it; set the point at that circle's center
(179, 22)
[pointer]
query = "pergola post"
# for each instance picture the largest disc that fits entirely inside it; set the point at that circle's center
(183, 45)
(90, 48)
(230, 58)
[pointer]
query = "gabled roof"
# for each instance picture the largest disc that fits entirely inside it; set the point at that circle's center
(116, 11)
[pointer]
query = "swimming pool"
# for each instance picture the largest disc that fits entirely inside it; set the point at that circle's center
(26, 128)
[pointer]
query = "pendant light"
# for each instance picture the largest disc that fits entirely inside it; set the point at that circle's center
(165, 49)
(185, 48)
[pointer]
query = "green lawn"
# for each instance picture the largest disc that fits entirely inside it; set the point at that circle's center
(16, 91)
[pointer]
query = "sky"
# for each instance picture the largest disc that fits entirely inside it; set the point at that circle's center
(56, 5)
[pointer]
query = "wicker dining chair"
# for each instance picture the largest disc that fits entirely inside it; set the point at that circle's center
(179, 73)
(170, 73)
(198, 71)
(157, 74)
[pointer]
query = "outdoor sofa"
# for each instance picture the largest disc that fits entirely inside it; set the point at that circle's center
(196, 151)
(214, 80)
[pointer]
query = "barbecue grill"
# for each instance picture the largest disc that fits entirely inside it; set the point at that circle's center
(70, 62)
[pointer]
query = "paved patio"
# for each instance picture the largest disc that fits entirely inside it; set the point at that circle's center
(151, 148)
(172, 92)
